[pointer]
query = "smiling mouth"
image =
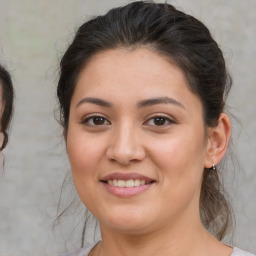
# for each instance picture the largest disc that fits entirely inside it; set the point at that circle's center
(127, 183)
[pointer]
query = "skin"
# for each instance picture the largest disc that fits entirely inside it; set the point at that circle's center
(164, 219)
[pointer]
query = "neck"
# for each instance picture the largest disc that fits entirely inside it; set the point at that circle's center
(183, 236)
(188, 239)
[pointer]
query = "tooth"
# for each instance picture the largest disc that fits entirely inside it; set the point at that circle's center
(121, 183)
(136, 183)
(129, 183)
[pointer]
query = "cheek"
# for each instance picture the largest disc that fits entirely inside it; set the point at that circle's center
(180, 174)
(84, 155)
(181, 161)
(178, 152)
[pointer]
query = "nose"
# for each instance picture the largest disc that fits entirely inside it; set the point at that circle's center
(126, 146)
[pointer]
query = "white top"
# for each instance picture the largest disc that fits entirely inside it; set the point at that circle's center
(87, 249)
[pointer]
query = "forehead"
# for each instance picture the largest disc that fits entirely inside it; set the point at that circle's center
(129, 66)
(134, 74)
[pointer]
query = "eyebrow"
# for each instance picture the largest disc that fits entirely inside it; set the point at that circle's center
(96, 101)
(143, 103)
(160, 100)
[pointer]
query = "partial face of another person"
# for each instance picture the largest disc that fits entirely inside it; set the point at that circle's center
(136, 141)
(6, 105)
(1, 113)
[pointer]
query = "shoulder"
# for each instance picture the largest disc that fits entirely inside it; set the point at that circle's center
(239, 252)
(82, 251)
(74, 253)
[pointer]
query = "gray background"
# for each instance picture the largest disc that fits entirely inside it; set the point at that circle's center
(33, 36)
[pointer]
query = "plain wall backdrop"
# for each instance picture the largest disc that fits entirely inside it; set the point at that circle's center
(33, 36)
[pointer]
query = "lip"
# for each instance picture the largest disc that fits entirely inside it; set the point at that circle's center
(126, 176)
(127, 191)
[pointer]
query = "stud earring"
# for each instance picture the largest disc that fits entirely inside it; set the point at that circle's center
(213, 167)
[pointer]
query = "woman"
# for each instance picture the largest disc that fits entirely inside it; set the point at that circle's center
(6, 104)
(142, 92)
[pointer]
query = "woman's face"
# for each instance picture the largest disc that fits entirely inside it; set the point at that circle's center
(136, 141)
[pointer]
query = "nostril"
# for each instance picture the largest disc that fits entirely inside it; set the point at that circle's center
(125, 157)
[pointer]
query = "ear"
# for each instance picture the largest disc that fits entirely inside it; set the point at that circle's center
(217, 142)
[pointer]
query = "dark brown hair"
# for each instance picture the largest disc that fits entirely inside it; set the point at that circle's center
(7, 102)
(178, 37)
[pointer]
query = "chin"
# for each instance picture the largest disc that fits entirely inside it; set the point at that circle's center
(130, 222)
(127, 228)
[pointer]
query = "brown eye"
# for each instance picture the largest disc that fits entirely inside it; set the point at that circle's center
(96, 121)
(159, 121)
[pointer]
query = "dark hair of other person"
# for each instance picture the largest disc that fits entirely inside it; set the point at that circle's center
(184, 41)
(7, 103)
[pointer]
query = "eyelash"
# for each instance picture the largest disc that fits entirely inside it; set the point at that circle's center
(87, 120)
(164, 121)
(167, 121)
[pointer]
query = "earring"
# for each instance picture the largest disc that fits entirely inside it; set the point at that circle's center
(213, 167)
